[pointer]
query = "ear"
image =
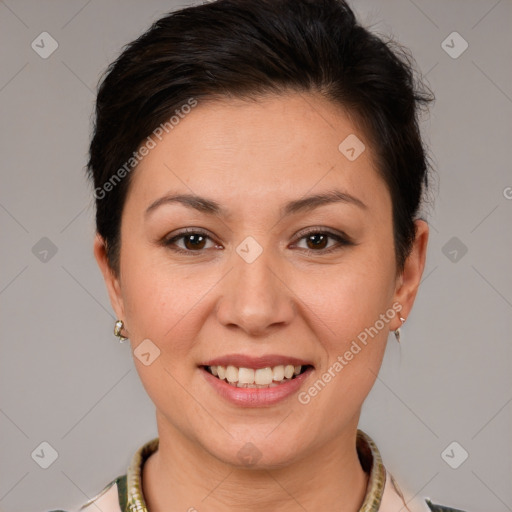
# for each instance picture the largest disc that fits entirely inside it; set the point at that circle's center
(111, 280)
(408, 281)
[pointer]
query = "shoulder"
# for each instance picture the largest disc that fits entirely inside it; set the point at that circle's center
(383, 493)
(440, 508)
(394, 498)
(110, 499)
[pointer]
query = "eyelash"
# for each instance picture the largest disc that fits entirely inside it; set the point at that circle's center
(341, 239)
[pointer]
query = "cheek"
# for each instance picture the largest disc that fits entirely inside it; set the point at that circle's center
(353, 304)
(350, 296)
(353, 338)
(164, 302)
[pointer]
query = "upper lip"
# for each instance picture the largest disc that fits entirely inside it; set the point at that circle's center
(243, 361)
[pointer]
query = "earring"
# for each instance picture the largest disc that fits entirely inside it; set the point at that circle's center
(117, 330)
(397, 331)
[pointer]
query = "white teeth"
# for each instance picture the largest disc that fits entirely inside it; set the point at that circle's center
(232, 374)
(288, 371)
(256, 378)
(246, 376)
(278, 373)
(263, 376)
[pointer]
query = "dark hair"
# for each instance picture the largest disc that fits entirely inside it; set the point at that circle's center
(246, 49)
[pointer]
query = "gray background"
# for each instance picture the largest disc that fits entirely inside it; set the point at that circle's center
(65, 380)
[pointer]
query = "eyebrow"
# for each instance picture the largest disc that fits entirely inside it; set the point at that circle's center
(211, 207)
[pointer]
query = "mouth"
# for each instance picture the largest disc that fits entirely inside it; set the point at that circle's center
(256, 381)
(257, 378)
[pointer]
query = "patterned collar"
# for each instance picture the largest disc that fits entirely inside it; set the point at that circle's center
(367, 451)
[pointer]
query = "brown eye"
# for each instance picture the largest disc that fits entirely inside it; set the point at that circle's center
(318, 241)
(193, 242)
(190, 241)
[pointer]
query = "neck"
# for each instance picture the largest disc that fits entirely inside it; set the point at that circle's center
(181, 476)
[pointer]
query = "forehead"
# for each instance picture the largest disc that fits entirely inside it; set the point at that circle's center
(249, 151)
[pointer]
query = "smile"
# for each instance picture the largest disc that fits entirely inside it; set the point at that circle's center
(256, 382)
(256, 378)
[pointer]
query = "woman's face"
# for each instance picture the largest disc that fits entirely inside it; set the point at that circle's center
(266, 277)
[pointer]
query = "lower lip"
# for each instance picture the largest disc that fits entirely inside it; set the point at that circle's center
(256, 397)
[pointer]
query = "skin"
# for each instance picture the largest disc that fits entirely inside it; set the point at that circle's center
(251, 158)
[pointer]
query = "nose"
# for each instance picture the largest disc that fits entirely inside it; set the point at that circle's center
(255, 296)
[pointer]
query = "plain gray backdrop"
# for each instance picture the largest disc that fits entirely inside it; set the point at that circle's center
(66, 381)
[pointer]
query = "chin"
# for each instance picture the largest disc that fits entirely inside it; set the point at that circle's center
(259, 450)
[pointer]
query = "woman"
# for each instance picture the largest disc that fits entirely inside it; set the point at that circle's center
(258, 171)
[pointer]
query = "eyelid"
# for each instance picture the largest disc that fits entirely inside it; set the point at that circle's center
(322, 230)
(169, 240)
(340, 237)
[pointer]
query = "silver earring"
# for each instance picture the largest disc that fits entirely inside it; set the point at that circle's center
(117, 330)
(397, 331)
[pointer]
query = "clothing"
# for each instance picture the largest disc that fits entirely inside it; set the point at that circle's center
(124, 493)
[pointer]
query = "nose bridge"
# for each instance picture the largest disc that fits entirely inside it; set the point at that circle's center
(254, 298)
